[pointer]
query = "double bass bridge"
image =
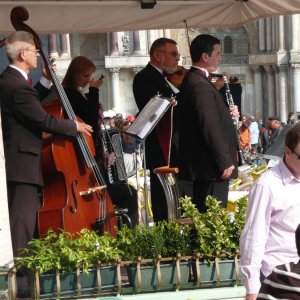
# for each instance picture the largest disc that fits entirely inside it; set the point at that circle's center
(92, 190)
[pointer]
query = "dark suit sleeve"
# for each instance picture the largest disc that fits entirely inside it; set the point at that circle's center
(143, 91)
(147, 84)
(29, 111)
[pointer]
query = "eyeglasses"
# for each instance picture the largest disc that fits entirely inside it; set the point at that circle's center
(298, 155)
(173, 53)
(37, 51)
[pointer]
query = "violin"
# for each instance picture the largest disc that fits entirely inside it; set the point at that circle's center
(176, 78)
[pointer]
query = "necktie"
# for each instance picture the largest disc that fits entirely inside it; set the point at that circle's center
(29, 81)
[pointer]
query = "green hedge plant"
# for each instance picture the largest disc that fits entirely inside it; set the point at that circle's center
(217, 232)
(164, 238)
(66, 252)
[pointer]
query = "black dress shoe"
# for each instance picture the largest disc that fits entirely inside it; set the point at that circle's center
(23, 293)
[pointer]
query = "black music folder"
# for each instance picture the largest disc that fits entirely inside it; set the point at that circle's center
(148, 118)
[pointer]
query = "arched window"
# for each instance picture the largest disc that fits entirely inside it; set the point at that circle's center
(228, 45)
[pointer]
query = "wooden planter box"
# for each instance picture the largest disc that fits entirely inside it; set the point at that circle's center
(175, 274)
(164, 274)
(3, 279)
(77, 283)
(219, 273)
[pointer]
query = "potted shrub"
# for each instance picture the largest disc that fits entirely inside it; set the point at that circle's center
(66, 264)
(216, 241)
(158, 254)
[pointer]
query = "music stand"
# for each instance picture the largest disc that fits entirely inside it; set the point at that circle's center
(142, 126)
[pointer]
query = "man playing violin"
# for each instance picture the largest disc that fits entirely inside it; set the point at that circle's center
(149, 82)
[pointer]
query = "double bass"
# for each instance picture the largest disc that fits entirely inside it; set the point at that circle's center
(74, 195)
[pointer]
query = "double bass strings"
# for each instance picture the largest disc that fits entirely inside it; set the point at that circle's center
(85, 150)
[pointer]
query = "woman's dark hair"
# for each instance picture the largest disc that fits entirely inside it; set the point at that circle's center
(203, 43)
(78, 65)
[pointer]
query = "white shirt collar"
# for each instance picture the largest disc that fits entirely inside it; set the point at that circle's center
(158, 69)
(174, 88)
(204, 70)
(20, 70)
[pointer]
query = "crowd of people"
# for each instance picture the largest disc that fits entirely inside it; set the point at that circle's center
(260, 136)
(204, 145)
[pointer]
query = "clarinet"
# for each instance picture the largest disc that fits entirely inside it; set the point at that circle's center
(235, 120)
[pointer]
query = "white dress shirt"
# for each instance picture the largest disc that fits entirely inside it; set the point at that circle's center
(43, 81)
(273, 215)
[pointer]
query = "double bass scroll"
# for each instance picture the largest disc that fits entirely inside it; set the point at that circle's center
(74, 196)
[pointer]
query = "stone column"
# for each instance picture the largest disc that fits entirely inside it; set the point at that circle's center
(116, 101)
(136, 43)
(283, 91)
(268, 34)
(258, 101)
(151, 37)
(52, 45)
(281, 42)
(271, 91)
(274, 33)
(65, 46)
(295, 105)
(261, 34)
(167, 33)
(277, 89)
(295, 34)
(114, 47)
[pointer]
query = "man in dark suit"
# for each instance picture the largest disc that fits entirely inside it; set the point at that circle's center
(23, 121)
(207, 138)
(149, 82)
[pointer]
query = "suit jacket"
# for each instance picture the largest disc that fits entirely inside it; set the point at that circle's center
(146, 84)
(23, 121)
(207, 137)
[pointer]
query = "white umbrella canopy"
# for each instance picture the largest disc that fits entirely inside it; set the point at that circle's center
(58, 16)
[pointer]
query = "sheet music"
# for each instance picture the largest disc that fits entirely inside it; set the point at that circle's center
(149, 116)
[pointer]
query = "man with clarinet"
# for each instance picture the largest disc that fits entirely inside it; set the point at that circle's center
(208, 143)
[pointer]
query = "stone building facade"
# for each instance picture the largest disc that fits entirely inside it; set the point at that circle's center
(264, 55)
